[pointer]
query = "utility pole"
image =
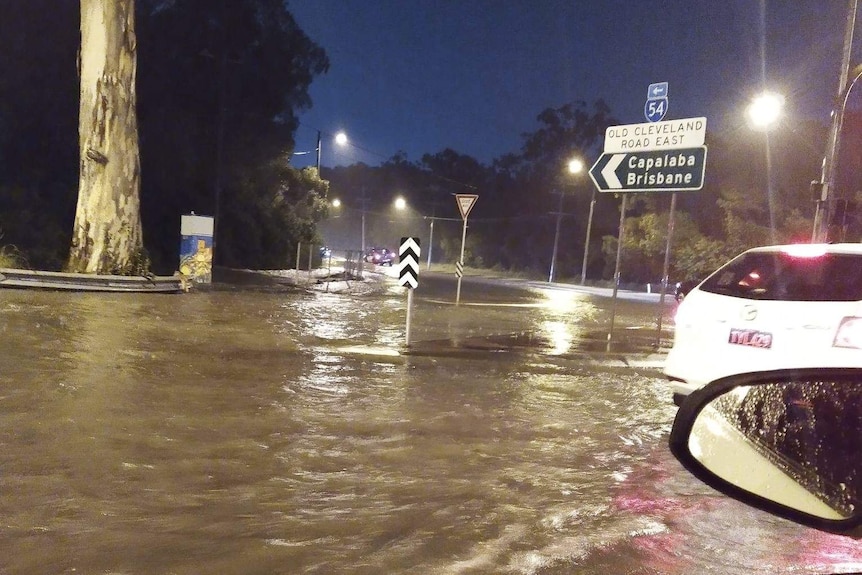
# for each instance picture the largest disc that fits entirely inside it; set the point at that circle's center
(826, 201)
(318, 153)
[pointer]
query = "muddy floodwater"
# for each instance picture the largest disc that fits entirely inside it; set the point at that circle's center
(253, 432)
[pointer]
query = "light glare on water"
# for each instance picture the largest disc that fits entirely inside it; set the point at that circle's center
(230, 432)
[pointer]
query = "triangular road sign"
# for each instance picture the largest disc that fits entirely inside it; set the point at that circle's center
(465, 203)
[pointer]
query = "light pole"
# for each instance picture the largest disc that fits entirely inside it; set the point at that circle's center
(825, 200)
(763, 113)
(575, 165)
(820, 233)
(340, 139)
(556, 238)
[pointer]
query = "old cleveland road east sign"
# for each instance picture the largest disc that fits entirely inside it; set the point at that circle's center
(652, 170)
(667, 135)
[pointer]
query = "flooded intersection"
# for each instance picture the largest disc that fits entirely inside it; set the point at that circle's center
(234, 432)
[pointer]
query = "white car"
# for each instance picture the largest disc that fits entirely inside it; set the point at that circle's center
(775, 307)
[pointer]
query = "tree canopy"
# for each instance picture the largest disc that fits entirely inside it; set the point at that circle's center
(221, 85)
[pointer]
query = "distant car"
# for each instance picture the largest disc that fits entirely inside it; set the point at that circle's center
(776, 307)
(380, 256)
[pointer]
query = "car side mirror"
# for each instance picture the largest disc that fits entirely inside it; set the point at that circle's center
(788, 442)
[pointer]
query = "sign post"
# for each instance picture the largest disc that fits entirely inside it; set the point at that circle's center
(408, 274)
(658, 156)
(465, 204)
(196, 247)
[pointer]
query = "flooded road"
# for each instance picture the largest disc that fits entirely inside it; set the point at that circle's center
(239, 432)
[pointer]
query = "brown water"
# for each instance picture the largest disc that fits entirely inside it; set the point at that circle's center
(231, 432)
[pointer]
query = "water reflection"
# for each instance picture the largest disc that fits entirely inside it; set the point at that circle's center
(226, 432)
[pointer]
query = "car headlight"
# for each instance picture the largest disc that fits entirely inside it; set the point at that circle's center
(849, 333)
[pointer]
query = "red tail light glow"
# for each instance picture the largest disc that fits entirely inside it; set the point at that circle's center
(805, 250)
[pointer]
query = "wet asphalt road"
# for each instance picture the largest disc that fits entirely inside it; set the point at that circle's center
(258, 431)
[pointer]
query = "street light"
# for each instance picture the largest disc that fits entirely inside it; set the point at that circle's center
(589, 230)
(575, 166)
(340, 139)
(400, 203)
(765, 110)
(763, 114)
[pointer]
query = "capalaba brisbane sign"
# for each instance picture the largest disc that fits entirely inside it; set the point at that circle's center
(658, 156)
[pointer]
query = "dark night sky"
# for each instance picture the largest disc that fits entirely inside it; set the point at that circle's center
(472, 75)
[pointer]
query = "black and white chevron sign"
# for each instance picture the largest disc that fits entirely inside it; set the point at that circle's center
(408, 266)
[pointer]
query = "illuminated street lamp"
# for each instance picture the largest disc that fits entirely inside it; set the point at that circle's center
(763, 114)
(340, 139)
(575, 165)
(574, 168)
(765, 110)
(400, 203)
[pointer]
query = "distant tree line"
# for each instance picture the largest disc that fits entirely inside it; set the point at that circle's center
(512, 226)
(220, 86)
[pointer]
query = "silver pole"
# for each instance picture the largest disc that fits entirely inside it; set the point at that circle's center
(587, 242)
(617, 269)
(430, 242)
(318, 153)
(362, 252)
(463, 241)
(664, 277)
(409, 314)
(556, 240)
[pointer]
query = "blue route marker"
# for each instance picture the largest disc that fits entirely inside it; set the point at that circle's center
(656, 105)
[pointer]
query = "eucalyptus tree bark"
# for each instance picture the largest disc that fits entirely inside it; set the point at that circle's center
(107, 237)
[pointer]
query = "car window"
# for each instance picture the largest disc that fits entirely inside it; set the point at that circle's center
(780, 276)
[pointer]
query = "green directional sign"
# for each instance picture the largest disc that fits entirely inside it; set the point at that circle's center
(677, 170)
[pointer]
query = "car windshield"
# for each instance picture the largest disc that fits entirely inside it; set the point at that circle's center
(781, 276)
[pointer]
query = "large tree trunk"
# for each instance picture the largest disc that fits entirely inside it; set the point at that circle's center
(107, 237)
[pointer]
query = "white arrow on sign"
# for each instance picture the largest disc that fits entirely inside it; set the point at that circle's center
(608, 174)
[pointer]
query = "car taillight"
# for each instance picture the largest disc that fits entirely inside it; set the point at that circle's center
(806, 250)
(849, 333)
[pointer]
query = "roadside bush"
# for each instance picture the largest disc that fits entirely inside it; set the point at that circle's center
(10, 257)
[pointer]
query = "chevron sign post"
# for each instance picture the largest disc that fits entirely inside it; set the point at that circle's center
(408, 267)
(408, 274)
